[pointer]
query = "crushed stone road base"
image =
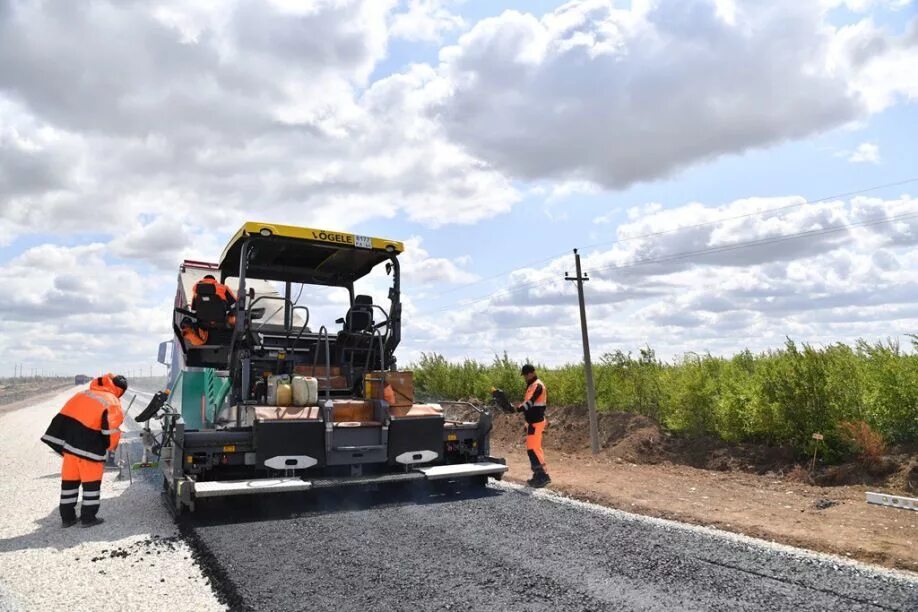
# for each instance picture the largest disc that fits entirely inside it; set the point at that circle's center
(135, 560)
(505, 548)
(404, 548)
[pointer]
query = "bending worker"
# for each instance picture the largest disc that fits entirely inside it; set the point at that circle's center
(83, 432)
(533, 409)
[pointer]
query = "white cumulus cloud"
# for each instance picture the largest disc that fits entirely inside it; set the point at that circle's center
(426, 20)
(702, 277)
(866, 153)
(615, 96)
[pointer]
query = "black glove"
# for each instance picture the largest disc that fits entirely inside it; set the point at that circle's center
(501, 400)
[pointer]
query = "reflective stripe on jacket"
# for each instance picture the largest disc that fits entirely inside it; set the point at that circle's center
(88, 424)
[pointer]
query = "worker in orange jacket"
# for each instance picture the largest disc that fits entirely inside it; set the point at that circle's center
(224, 293)
(533, 408)
(83, 432)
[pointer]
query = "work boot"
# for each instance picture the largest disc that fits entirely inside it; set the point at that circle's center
(539, 480)
(70, 522)
(92, 522)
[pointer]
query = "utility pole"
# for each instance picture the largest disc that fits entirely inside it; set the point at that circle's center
(587, 362)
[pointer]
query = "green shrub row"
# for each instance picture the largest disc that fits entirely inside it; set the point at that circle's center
(779, 397)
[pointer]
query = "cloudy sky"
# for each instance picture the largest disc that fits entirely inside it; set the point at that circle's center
(733, 171)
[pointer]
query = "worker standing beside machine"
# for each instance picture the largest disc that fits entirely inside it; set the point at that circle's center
(83, 432)
(533, 408)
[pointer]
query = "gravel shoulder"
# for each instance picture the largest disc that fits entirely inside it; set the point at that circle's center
(835, 520)
(135, 560)
(10, 402)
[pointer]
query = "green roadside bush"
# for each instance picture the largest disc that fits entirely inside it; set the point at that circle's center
(778, 397)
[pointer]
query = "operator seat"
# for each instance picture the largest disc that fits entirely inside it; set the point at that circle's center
(356, 337)
(209, 308)
(360, 316)
(212, 312)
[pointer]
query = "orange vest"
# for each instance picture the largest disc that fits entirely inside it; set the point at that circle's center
(221, 290)
(535, 402)
(87, 425)
(541, 399)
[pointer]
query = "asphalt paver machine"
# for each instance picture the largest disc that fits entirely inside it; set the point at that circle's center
(265, 404)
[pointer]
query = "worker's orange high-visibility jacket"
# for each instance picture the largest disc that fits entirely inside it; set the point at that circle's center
(87, 425)
(534, 402)
(195, 337)
(223, 292)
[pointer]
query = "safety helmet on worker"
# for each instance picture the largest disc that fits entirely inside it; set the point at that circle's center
(527, 369)
(116, 384)
(120, 382)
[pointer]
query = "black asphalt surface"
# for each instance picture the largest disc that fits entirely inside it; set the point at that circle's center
(501, 549)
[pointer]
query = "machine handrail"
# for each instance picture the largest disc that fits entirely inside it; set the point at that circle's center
(251, 305)
(382, 353)
(302, 329)
(385, 322)
(323, 332)
(477, 409)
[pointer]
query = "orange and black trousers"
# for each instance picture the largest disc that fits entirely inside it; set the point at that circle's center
(534, 446)
(77, 472)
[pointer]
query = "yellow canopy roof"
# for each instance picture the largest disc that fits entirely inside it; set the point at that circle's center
(303, 254)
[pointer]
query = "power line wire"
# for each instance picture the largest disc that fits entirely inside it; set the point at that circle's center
(505, 273)
(687, 254)
(759, 242)
(683, 228)
(753, 214)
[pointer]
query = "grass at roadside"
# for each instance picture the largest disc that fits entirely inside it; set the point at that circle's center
(860, 398)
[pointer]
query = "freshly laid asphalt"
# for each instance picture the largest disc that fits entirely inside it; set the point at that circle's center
(503, 548)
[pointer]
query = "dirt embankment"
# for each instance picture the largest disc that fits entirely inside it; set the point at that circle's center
(634, 438)
(752, 489)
